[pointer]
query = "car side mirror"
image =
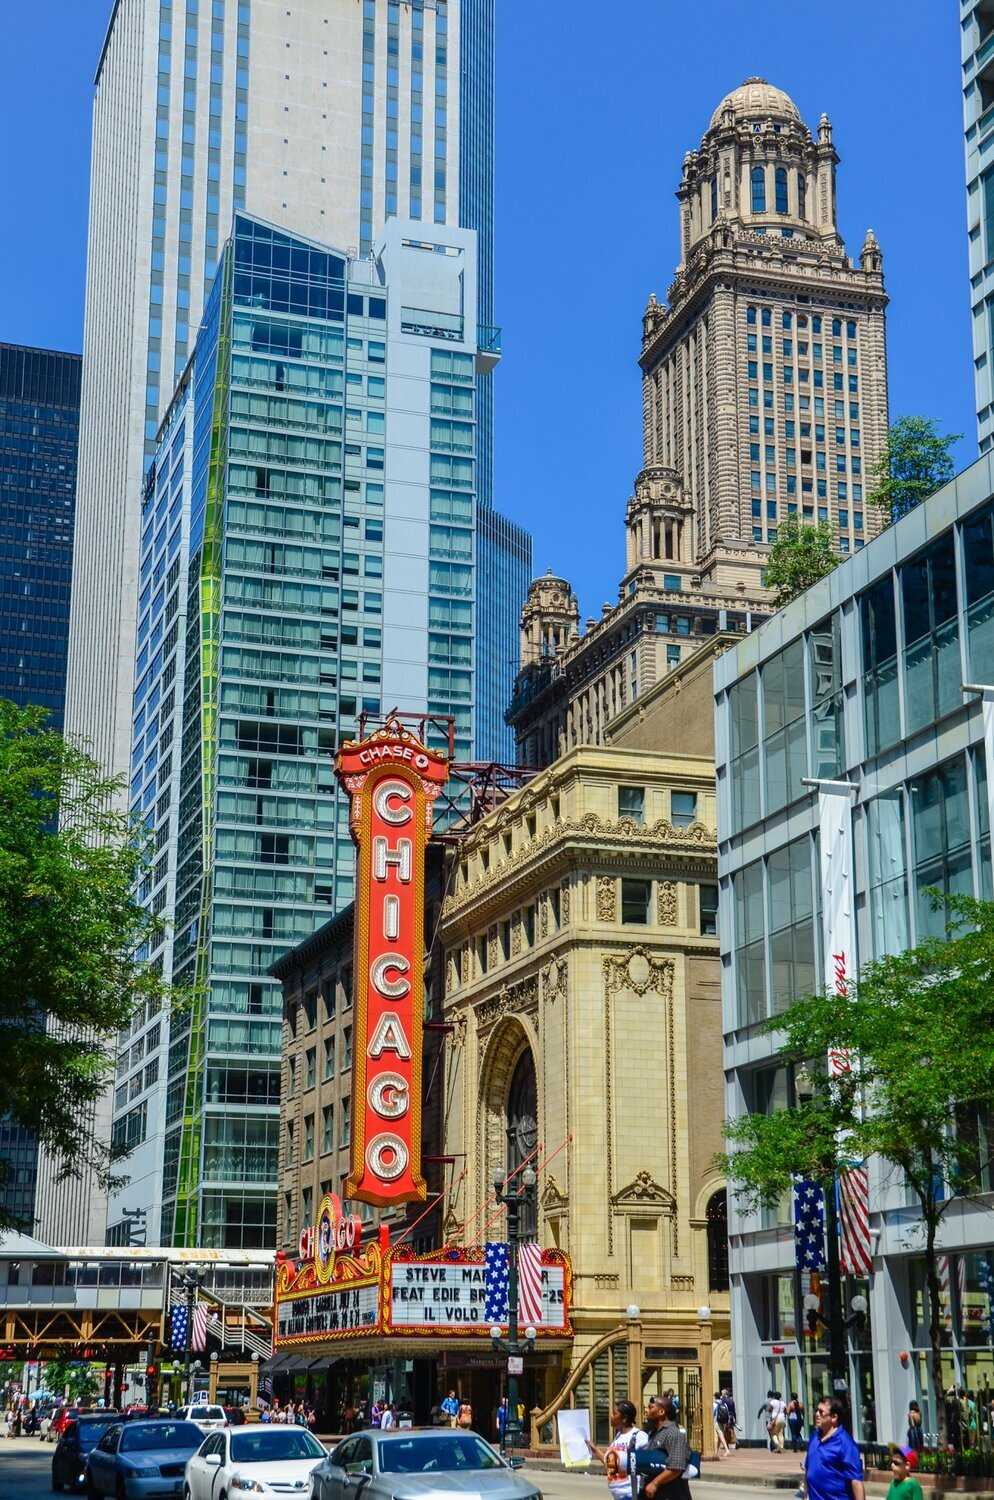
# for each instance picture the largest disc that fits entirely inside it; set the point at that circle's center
(214, 1459)
(516, 1463)
(337, 1473)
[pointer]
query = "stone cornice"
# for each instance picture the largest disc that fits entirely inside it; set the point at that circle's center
(592, 842)
(754, 257)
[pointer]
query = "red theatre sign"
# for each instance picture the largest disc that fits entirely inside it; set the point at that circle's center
(392, 780)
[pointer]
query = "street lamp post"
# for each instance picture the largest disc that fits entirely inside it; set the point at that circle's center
(191, 1280)
(513, 1346)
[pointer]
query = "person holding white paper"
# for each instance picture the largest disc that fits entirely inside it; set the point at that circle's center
(627, 1437)
(574, 1435)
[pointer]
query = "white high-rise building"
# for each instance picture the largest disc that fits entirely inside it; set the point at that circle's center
(325, 117)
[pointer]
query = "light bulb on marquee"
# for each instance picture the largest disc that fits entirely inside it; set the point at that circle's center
(392, 780)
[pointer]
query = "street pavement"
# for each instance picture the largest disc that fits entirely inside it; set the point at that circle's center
(26, 1472)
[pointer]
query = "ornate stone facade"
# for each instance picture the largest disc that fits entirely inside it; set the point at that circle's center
(615, 996)
(764, 396)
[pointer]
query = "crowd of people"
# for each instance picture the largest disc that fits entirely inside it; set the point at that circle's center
(294, 1413)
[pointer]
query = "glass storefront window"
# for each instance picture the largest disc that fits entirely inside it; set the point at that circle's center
(828, 723)
(888, 875)
(879, 635)
(784, 729)
(931, 634)
(941, 840)
(744, 734)
(978, 574)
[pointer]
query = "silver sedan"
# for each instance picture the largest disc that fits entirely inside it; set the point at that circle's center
(407, 1464)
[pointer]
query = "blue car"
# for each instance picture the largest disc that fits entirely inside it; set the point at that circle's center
(141, 1460)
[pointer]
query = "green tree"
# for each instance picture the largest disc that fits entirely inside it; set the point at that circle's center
(70, 931)
(70, 1377)
(914, 463)
(800, 555)
(919, 1026)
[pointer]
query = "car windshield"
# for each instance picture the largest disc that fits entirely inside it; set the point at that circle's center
(147, 1435)
(432, 1453)
(90, 1433)
(273, 1444)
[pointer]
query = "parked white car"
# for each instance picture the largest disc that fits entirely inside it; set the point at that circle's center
(253, 1460)
(207, 1418)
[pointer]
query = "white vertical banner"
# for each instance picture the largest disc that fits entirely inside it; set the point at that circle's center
(987, 702)
(837, 892)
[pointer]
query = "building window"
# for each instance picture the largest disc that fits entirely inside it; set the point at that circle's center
(327, 1129)
(717, 1231)
(931, 634)
(631, 803)
(888, 876)
(743, 713)
(311, 1068)
(785, 732)
(346, 1048)
(878, 628)
(827, 717)
(683, 809)
(707, 896)
(346, 1132)
(635, 897)
(792, 936)
(528, 922)
(308, 1138)
(940, 824)
(802, 189)
(978, 572)
(329, 1056)
(307, 1207)
(780, 184)
(758, 177)
(750, 954)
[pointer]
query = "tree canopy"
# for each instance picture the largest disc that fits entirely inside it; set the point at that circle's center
(914, 463)
(801, 554)
(71, 931)
(918, 1027)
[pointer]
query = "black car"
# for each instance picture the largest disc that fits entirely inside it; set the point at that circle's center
(82, 1432)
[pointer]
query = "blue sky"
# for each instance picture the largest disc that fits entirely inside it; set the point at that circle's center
(596, 105)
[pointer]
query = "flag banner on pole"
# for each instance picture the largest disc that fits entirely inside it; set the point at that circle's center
(495, 1283)
(809, 1225)
(198, 1339)
(179, 1323)
(530, 1284)
(855, 1257)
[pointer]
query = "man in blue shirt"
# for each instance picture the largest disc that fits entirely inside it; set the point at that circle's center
(833, 1469)
(450, 1406)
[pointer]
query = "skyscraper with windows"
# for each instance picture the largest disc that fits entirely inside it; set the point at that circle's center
(39, 430)
(306, 555)
(977, 47)
(326, 118)
(765, 374)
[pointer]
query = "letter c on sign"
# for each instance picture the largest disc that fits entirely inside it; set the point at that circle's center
(387, 1157)
(392, 989)
(387, 1095)
(385, 798)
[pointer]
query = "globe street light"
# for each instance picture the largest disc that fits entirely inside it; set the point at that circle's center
(515, 1198)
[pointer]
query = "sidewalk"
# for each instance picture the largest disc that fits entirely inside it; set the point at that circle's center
(755, 1467)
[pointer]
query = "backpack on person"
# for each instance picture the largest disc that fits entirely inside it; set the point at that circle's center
(722, 1415)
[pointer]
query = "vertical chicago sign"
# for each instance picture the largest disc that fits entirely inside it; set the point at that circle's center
(392, 780)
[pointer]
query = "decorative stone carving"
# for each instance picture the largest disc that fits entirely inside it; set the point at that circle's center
(522, 996)
(607, 898)
(564, 902)
(640, 971)
(492, 950)
(667, 903)
(682, 1283)
(452, 1228)
(644, 1192)
(554, 979)
(543, 916)
(553, 1199)
(516, 937)
(464, 964)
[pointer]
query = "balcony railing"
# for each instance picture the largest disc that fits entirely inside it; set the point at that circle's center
(488, 338)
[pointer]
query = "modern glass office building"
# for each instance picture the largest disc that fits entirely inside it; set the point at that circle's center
(860, 682)
(977, 55)
(307, 554)
(504, 558)
(39, 431)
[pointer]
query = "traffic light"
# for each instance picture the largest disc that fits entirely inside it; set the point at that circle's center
(151, 1371)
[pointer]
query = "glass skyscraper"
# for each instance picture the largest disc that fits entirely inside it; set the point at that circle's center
(39, 431)
(327, 118)
(307, 555)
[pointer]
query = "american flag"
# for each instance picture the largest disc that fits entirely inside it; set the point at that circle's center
(530, 1284)
(986, 1281)
(855, 1258)
(179, 1326)
(809, 1225)
(180, 1319)
(495, 1283)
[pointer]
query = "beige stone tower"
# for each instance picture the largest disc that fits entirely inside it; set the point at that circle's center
(765, 375)
(550, 619)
